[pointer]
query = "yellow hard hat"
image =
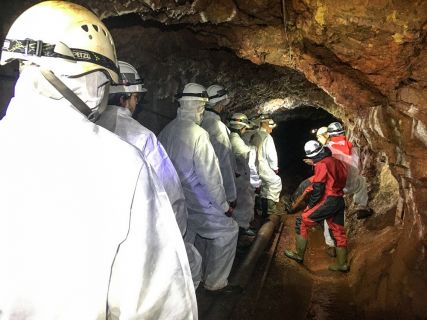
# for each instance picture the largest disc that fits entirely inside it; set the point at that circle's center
(321, 130)
(322, 135)
(63, 37)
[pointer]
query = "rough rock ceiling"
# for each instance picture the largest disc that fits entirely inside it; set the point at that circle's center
(371, 48)
(170, 58)
(369, 56)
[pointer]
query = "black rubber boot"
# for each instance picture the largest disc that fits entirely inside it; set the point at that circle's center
(298, 254)
(341, 264)
(264, 207)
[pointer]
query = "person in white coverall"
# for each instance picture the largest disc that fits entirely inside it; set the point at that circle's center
(247, 138)
(267, 166)
(219, 137)
(117, 118)
(249, 132)
(247, 176)
(86, 228)
(209, 214)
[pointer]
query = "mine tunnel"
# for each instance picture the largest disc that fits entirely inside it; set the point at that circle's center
(307, 64)
(295, 128)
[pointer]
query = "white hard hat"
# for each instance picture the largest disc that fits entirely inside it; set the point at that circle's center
(335, 129)
(267, 118)
(238, 121)
(193, 91)
(322, 135)
(130, 81)
(272, 124)
(253, 123)
(63, 37)
(216, 94)
(312, 148)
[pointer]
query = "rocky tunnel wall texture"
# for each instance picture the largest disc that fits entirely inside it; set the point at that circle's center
(363, 62)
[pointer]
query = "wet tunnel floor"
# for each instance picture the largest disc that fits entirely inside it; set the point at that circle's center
(290, 290)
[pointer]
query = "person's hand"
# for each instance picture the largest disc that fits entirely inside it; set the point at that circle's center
(229, 213)
(293, 208)
(308, 161)
(290, 208)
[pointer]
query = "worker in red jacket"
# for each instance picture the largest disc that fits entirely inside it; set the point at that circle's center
(326, 202)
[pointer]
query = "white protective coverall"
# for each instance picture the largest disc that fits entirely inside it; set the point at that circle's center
(119, 120)
(84, 221)
(219, 137)
(267, 163)
(247, 135)
(245, 162)
(247, 139)
(194, 158)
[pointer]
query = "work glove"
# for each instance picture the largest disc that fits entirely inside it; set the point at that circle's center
(289, 207)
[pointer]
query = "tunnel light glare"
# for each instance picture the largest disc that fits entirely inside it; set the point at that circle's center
(273, 105)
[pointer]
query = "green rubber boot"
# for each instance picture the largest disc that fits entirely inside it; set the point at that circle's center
(298, 254)
(341, 264)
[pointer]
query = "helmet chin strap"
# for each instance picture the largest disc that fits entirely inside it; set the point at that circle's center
(94, 115)
(68, 94)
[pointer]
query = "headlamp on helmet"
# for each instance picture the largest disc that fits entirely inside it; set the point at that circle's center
(67, 39)
(335, 129)
(130, 80)
(238, 121)
(216, 94)
(193, 91)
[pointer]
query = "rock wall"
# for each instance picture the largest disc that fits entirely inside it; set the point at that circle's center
(370, 57)
(369, 60)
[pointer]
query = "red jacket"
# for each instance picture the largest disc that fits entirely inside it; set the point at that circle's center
(340, 144)
(342, 149)
(330, 176)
